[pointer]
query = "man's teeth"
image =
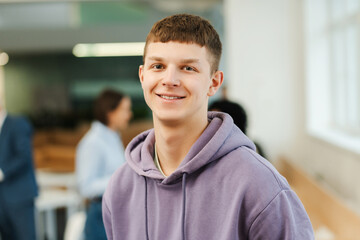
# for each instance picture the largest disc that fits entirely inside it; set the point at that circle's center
(169, 97)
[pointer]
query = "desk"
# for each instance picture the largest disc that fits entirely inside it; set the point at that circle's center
(57, 190)
(56, 179)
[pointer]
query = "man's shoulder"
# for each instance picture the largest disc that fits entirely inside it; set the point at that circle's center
(122, 182)
(17, 122)
(124, 174)
(244, 164)
(16, 119)
(124, 177)
(251, 178)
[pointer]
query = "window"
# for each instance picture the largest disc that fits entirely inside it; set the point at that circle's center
(332, 41)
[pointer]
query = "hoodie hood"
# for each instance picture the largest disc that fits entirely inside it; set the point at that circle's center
(219, 138)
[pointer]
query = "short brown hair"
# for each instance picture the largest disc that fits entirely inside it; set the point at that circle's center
(187, 28)
(106, 102)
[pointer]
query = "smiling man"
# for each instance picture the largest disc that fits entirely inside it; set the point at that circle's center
(195, 175)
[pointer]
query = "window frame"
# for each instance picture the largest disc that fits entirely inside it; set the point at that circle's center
(332, 79)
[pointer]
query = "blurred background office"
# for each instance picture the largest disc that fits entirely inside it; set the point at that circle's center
(291, 64)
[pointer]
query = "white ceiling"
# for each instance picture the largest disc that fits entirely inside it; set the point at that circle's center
(43, 26)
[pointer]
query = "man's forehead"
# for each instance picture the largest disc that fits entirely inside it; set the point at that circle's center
(182, 60)
(155, 50)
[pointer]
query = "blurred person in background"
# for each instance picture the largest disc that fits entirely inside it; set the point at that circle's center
(18, 187)
(99, 153)
(238, 114)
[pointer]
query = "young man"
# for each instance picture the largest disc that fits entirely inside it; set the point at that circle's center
(195, 175)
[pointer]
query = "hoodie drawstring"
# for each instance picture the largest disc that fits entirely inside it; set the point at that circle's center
(182, 213)
(146, 212)
(183, 205)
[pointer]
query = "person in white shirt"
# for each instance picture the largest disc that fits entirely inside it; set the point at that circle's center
(99, 153)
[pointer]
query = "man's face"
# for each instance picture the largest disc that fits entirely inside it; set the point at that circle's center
(177, 81)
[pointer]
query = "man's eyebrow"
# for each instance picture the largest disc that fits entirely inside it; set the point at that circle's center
(190, 60)
(155, 58)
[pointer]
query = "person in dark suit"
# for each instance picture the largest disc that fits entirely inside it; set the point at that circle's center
(18, 187)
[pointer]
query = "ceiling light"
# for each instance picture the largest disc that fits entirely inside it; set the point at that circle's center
(4, 58)
(109, 49)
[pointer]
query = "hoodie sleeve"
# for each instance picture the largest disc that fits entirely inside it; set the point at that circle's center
(106, 213)
(283, 218)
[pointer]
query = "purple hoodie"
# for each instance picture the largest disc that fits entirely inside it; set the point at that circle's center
(221, 190)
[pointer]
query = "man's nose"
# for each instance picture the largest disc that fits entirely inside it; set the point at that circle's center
(171, 77)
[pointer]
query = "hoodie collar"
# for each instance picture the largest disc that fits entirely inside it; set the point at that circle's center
(219, 138)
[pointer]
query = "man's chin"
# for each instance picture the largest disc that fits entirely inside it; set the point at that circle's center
(168, 118)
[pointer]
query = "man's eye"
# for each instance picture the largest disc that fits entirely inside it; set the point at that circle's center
(157, 66)
(187, 68)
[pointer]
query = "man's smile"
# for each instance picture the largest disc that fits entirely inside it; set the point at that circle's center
(170, 97)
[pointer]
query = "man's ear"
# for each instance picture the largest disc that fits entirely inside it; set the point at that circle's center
(216, 81)
(141, 73)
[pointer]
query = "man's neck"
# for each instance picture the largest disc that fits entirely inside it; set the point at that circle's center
(173, 142)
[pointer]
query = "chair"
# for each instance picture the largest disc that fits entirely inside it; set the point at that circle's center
(74, 229)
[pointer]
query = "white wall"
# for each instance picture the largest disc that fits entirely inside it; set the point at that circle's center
(264, 68)
(265, 73)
